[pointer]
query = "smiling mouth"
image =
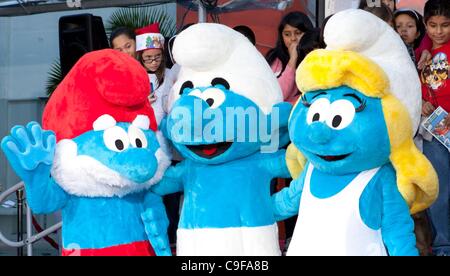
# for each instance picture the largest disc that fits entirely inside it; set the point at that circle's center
(333, 158)
(210, 151)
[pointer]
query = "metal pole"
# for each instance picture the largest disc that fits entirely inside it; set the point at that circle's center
(29, 232)
(202, 13)
(320, 12)
(19, 194)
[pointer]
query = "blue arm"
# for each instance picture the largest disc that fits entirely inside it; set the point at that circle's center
(397, 226)
(156, 223)
(286, 202)
(30, 152)
(45, 197)
(276, 164)
(284, 112)
(172, 181)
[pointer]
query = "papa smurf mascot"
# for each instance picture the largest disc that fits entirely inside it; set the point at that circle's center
(96, 159)
(227, 118)
(352, 130)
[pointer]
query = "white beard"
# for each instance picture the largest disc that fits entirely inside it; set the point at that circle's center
(82, 175)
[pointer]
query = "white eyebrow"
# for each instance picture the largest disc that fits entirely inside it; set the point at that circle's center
(142, 122)
(104, 122)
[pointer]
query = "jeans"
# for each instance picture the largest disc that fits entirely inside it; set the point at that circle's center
(439, 157)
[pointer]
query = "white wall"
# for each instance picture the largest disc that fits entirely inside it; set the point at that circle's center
(4, 56)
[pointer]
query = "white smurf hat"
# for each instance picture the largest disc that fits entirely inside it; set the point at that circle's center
(362, 32)
(206, 51)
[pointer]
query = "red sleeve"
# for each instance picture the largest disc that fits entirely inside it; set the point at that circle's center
(425, 95)
(426, 44)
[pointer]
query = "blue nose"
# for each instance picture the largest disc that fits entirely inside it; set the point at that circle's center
(319, 133)
(138, 165)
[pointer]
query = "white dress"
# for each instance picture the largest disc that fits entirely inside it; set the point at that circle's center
(333, 226)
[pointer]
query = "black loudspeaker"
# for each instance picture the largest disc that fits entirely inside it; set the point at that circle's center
(78, 35)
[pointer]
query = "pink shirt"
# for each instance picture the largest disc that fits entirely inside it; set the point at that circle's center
(286, 81)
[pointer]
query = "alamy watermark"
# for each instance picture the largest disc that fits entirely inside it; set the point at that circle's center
(373, 3)
(232, 124)
(73, 3)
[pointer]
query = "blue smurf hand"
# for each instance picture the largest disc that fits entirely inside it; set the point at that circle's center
(30, 151)
(156, 222)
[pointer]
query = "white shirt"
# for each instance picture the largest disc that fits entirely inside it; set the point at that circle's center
(160, 105)
(161, 93)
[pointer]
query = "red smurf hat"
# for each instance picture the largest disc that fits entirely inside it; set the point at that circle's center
(105, 82)
(149, 37)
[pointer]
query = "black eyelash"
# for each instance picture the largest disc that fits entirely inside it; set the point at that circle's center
(362, 106)
(304, 101)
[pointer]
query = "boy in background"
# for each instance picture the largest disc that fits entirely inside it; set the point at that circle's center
(435, 93)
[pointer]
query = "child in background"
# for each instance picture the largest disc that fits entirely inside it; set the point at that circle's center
(124, 40)
(149, 45)
(435, 93)
(284, 57)
(382, 11)
(409, 25)
(247, 32)
(391, 4)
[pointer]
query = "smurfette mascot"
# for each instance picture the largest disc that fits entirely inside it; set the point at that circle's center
(228, 120)
(96, 159)
(351, 131)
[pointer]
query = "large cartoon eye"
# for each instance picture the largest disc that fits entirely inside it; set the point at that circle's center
(116, 139)
(318, 111)
(214, 97)
(342, 113)
(137, 137)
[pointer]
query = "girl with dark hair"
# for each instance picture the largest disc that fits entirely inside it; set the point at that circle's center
(150, 47)
(409, 25)
(124, 40)
(284, 57)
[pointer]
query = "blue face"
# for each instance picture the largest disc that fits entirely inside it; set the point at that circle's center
(340, 130)
(123, 148)
(213, 124)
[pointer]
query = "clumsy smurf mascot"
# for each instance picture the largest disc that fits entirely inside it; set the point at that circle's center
(228, 121)
(105, 159)
(353, 128)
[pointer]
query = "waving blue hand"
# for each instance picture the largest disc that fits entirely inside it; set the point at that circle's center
(156, 223)
(30, 151)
